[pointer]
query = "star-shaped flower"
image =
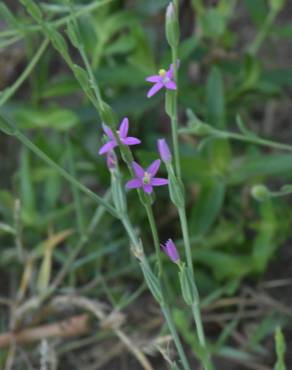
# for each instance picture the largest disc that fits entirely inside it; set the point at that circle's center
(145, 179)
(122, 132)
(163, 79)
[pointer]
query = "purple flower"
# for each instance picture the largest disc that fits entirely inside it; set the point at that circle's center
(163, 150)
(111, 160)
(163, 79)
(170, 250)
(122, 132)
(145, 179)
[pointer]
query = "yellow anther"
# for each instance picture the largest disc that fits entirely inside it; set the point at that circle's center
(162, 72)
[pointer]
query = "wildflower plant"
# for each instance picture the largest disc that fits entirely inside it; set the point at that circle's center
(118, 147)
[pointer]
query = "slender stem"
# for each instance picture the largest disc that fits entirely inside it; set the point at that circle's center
(175, 336)
(13, 88)
(195, 307)
(133, 237)
(200, 332)
(84, 57)
(259, 141)
(182, 210)
(185, 232)
(29, 144)
(174, 117)
(58, 23)
(260, 37)
(155, 237)
(235, 136)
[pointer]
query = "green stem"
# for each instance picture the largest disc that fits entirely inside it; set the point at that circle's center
(195, 307)
(260, 37)
(58, 23)
(187, 243)
(174, 118)
(175, 337)
(85, 58)
(13, 88)
(234, 136)
(154, 232)
(200, 332)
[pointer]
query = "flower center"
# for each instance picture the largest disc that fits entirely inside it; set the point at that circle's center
(146, 178)
(162, 72)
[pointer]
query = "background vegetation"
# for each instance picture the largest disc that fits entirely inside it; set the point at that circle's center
(235, 75)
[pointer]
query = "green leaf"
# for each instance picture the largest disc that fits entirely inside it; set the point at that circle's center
(72, 33)
(215, 101)
(280, 349)
(124, 44)
(265, 244)
(223, 264)
(219, 151)
(33, 9)
(207, 208)
(8, 16)
(255, 166)
(55, 118)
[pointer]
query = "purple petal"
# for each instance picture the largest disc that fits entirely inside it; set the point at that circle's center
(131, 141)
(108, 131)
(139, 171)
(163, 150)
(155, 78)
(171, 85)
(170, 250)
(124, 128)
(107, 147)
(157, 181)
(148, 188)
(154, 167)
(134, 183)
(154, 89)
(170, 72)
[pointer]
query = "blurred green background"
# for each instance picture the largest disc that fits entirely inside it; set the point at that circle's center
(234, 60)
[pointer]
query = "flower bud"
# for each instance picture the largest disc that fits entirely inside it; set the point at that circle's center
(163, 150)
(170, 12)
(171, 251)
(260, 192)
(171, 26)
(118, 194)
(176, 188)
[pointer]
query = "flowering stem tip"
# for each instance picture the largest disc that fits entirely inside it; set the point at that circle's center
(163, 79)
(145, 178)
(122, 133)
